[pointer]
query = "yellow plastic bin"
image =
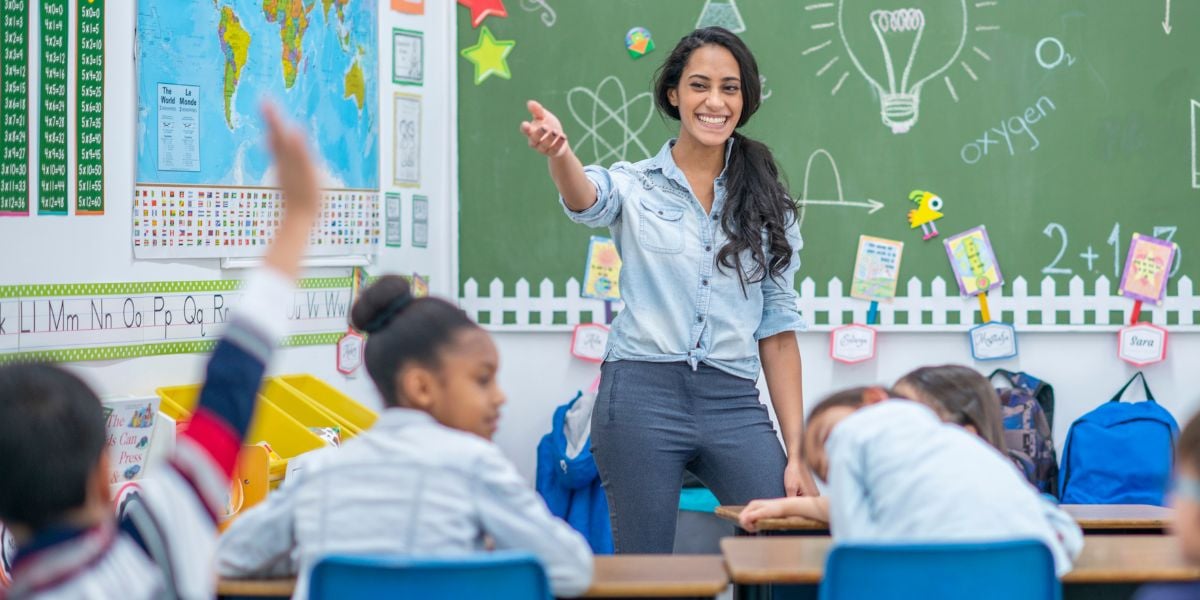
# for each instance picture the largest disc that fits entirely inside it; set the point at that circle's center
(287, 436)
(322, 394)
(304, 410)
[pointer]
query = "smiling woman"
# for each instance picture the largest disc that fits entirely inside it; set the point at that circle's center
(709, 240)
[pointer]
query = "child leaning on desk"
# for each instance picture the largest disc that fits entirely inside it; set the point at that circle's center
(898, 473)
(1185, 500)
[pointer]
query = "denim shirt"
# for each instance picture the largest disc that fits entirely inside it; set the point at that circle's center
(679, 306)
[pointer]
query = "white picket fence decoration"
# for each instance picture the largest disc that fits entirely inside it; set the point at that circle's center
(949, 311)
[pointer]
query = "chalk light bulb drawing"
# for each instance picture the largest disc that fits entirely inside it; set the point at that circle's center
(913, 46)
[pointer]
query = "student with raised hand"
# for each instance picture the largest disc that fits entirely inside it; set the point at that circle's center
(898, 473)
(55, 495)
(426, 479)
(709, 242)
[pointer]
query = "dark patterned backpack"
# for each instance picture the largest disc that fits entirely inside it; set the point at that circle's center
(1028, 412)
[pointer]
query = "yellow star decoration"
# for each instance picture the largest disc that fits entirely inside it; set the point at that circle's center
(488, 56)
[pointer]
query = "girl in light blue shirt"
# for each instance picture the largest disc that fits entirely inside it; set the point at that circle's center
(709, 242)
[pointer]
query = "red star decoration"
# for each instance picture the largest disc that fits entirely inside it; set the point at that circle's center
(482, 9)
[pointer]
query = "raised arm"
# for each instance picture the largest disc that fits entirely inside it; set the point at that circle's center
(545, 134)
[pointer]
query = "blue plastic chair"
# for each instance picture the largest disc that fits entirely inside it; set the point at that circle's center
(978, 571)
(499, 575)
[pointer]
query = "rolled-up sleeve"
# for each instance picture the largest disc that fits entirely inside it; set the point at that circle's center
(779, 294)
(610, 187)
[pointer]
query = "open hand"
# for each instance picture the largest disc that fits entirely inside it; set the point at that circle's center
(545, 132)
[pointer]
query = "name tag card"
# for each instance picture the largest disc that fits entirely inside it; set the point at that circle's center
(852, 344)
(993, 341)
(349, 353)
(1142, 344)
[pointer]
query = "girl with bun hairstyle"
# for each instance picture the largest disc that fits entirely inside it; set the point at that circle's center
(426, 478)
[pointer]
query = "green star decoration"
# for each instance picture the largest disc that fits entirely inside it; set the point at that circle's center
(488, 55)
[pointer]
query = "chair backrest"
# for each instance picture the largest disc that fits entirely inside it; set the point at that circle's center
(980, 571)
(498, 575)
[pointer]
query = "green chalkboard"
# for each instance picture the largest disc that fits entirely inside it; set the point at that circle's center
(1063, 126)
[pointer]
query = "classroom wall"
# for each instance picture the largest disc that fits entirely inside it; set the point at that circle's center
(538, 373)
(97, 249)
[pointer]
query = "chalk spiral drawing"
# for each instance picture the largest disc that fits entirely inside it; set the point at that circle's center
(629, 117)
(549, 17)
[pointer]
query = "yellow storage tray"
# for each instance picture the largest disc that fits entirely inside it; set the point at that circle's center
(287, 436)
(303, 409)
(353, 414)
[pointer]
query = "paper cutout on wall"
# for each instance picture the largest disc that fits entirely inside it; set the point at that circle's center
(928, 210)
(602, 280)
(488, 55)
(482, 9)
(1147, 268)
(1142, 344)
(408, 57)
(589, 341)
(974, 262)
(638, 42)
(877, 269)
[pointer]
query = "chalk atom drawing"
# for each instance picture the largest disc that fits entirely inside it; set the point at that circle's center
(611, 121)
(721, 13)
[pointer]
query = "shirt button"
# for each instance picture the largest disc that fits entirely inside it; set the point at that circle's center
(705, 282)
(699, 319)
(716, 218)
(708, 248)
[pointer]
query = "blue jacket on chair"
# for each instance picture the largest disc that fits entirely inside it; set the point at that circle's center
(571, 484)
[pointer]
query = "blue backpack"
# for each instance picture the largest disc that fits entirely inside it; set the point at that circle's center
(1119, 453)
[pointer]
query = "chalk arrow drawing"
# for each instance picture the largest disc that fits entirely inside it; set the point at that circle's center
(803, 202)
(1167, 21)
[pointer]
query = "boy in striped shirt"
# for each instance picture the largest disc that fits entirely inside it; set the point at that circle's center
(54, 491)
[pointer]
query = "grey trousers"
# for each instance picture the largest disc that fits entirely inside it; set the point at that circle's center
(653, 420)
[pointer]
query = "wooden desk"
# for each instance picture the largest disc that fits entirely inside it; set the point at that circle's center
(627, 576)
(658, 576)
(1103, 518)
(1092, 518)
(256, 588)
(792, 525)
(755, 563)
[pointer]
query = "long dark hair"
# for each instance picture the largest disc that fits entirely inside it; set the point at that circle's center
(758, 200)
(403, 330)
(960, 395)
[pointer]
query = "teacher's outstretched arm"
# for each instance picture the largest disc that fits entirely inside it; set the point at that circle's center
(545, 134)
(780, 355)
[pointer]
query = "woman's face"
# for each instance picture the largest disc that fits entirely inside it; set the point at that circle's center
(709, 96)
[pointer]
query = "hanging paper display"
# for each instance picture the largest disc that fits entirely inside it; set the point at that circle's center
(876, 269)
(89, 109)
(392, 219)
(1142, 344)
(993, 341)
(409, 7)
(420, 286)
(852, 344)
(408, 57)
(928, 210)
(14, 108)
(52, 108)
(407, 143)
(974, 262)
(589, 341)
(976, 271)
(602, 280)
(130, 429)
(1147, 269)
(349, 353)
(638, 42)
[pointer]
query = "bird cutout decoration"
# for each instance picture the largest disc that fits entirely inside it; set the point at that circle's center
(928, 210)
